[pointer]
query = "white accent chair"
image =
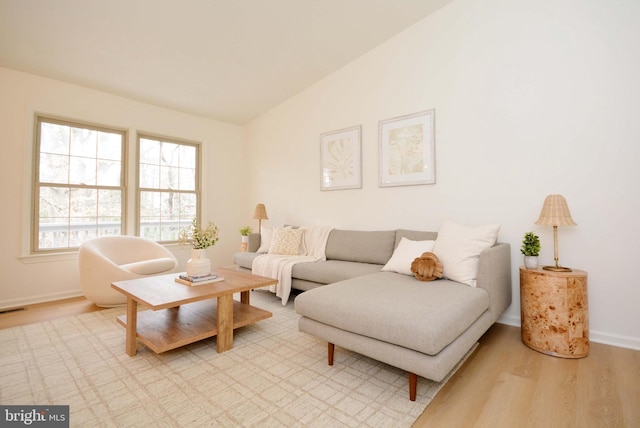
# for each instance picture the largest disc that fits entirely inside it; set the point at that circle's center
(107, 259)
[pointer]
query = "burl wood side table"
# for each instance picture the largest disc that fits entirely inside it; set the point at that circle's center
(554, 312)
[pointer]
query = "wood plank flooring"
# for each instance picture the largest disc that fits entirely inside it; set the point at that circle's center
(47, 311)
(506, 384)
(503, 384)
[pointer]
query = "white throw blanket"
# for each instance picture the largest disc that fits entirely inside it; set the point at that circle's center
(314, 242)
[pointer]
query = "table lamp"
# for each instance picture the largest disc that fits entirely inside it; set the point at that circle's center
(555, 212)
(260, 214)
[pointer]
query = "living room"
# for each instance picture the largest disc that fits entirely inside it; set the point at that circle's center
(530, 99)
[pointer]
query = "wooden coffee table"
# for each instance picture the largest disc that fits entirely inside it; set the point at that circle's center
(181, 314)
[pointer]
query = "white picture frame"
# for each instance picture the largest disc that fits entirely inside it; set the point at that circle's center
(407, 150)
(341, 159)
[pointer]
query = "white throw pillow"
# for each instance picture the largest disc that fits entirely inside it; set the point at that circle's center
(286, 241)
(405, 253)
(265, 239)
(458, 247)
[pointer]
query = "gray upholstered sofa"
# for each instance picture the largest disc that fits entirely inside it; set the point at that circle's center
(422, 327)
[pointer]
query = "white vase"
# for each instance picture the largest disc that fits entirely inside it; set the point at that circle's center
(531, 262)
(198, 264)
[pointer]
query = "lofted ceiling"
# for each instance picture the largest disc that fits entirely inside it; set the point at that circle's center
(229, 60)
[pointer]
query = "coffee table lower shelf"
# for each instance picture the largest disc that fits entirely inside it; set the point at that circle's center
(171, 328)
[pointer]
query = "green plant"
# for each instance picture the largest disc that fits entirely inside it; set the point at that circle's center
(198, 237)
(245, 231)
(530, 244)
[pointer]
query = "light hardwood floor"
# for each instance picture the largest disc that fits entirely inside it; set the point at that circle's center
(506, 384)
(503, 384)
(46, 311)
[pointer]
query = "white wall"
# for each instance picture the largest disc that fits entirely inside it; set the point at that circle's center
(32, 279)
(531, 98)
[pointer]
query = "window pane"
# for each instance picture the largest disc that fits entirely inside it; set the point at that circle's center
(54, 138)
(169, 177)
(53, 203)
(84, 142)
(170, 154)
(187, 180)
(149, 151)
(150, 205)
(53, 217)
(109, 146)
(188, 157)
(109, 206)
(54, 233)
(149, 176)
(188, 207)
(170, 207)
(84, 203)
(82, 170)
(54, 169)
(109, 173)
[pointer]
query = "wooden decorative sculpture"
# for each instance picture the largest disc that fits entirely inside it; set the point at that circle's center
(427, 267)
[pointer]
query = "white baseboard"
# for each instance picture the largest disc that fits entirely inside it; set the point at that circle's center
(43, 298)
(615, 340)
(594, 336)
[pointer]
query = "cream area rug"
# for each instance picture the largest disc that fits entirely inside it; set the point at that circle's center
(274, 376)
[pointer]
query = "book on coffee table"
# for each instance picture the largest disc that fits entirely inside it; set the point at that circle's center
(198, 280)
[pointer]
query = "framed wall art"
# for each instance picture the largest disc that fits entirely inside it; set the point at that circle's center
(407, 150)
(341, 159)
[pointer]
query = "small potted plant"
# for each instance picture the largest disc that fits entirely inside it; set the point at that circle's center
(531, 250)
(200, 239)
(245, 232)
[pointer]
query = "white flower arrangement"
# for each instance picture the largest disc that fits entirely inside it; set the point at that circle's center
(197, 237)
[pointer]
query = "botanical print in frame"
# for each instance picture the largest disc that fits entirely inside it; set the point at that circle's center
(341, 159)
(407, 150)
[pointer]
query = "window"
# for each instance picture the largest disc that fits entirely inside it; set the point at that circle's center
(79, 183)
(168, 186)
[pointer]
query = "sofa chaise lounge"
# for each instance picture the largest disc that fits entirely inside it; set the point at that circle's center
(424, 327)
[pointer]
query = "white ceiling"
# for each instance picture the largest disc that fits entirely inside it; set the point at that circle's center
(229, 60)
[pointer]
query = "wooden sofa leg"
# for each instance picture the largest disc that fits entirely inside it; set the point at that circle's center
(331, 349)
(413, 384)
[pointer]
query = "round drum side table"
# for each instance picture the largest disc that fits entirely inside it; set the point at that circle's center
(554, 312)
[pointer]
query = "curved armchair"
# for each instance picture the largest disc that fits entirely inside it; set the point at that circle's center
(108, 259)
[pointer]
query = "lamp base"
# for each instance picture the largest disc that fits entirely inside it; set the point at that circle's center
(557, 268)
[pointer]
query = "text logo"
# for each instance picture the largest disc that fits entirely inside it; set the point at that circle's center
(34, 416)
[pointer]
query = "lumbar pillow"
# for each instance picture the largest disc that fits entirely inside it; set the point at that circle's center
(458, 247)
(286, 241)
(405, 253)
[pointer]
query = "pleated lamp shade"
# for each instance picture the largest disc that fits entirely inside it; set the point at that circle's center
(555, 212)
(260, 213)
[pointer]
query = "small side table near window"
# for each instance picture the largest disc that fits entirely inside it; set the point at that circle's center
(554, 312)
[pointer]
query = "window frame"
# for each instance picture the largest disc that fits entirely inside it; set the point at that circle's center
(37, 184)
(139, 189)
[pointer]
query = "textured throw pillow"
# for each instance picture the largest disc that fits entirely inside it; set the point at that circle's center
(458, 247)
(286, 242)
(405, 253)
